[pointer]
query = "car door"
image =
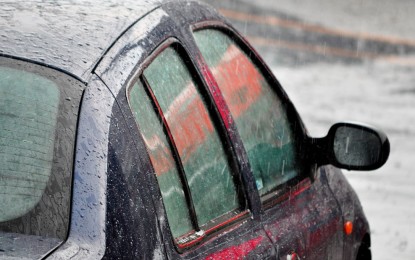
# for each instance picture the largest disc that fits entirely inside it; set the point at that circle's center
(200, 200)
(300, 214)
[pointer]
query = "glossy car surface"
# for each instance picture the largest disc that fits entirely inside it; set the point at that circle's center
(154, 130)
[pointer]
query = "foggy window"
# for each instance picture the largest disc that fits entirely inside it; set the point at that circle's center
(38, 114)
(29, 107)
(258, 112)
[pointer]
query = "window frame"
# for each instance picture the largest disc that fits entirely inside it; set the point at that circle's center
(229, 219)
(303, 180)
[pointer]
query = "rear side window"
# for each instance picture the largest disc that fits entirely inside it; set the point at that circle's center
(199, 146)
(162, 159)
(184, 129)
(256, 108)
(38, 115)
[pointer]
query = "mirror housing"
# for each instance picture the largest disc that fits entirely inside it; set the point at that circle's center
(352, 146)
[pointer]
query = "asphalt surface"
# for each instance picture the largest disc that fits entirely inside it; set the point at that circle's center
(348, 60)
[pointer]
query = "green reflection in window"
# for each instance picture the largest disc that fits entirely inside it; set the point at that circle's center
(28, 115)
(162, 159)
(198, 143)
(255, 107)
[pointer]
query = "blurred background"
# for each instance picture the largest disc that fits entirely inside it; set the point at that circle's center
(348, 60)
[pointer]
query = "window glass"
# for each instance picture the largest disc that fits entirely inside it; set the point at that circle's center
(257, 110)
(38, 115)
(161, 157)
(29, 108)
(201, 151)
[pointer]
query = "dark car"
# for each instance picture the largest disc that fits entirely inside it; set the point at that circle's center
(154, 130)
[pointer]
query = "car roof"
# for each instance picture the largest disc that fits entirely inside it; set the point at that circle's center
(70, 35)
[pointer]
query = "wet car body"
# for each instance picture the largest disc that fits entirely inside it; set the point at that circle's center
(116, 208)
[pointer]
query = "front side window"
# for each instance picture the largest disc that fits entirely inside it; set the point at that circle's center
(37, 131)
(257, 110)
(190, 133)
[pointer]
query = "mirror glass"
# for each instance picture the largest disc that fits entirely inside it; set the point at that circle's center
(356, 147)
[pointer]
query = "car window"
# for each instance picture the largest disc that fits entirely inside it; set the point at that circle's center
(203, 159)
(38, 110)
(161, 157)
(29, 109)
(257, 110)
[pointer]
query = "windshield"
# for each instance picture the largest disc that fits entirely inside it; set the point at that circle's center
(38, 111)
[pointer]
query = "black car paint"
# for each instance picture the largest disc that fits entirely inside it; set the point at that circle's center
(109, 149)
(351, 210)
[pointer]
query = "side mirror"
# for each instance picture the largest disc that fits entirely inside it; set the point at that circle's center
(352, 146)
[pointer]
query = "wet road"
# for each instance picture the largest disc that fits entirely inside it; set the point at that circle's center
(284, 39)
(336, 67)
